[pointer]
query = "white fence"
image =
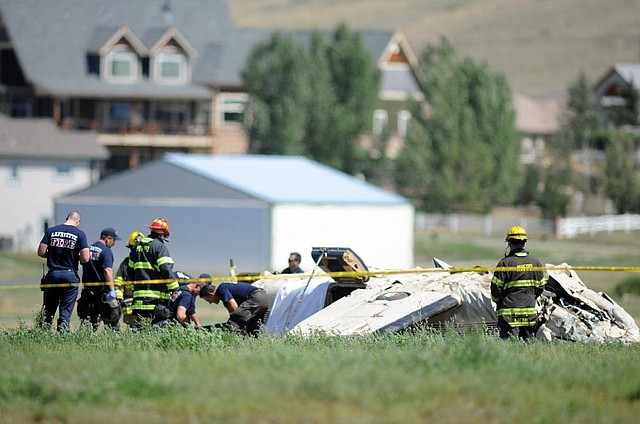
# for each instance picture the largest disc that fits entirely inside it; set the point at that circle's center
(486, 225)
(571, 227)
(497, 225)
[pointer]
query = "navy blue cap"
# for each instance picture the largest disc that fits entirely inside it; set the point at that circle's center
(110, 232)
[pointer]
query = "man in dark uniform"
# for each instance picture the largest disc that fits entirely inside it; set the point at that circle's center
(63, 246)
(151, 268)
(515, 291)
(98, 298)
(182, 306)
(247, 305)
(294, 264)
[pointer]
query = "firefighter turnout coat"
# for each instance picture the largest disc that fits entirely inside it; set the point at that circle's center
(149, 264)
(515, 291)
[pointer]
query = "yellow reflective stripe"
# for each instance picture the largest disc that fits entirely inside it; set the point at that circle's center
(164, 260)
(142, 265)
(517, 311)
(147, 293)
(143, 307)
(173, 286)
(522, 323)
(498, 282)
(521, 283)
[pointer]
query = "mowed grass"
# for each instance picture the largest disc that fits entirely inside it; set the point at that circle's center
(178, 376)
(185, 376)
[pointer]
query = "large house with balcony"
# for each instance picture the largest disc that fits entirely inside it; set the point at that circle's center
(156, 77)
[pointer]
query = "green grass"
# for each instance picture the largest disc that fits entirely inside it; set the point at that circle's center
(541, 46)
(178, 376)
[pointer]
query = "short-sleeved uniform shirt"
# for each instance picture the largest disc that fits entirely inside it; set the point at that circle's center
(183, 298)
(238, 291)
(101, 258)
(65, 243)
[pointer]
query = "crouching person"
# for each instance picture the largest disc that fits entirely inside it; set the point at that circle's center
(247, 305)
(182, 307)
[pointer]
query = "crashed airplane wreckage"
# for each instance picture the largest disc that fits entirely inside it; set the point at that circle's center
(343, 297)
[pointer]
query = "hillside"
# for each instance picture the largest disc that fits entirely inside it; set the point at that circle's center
(540, 45)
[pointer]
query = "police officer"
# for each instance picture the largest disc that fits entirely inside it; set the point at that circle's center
(63, 246)
(150, 266)
(515, 291)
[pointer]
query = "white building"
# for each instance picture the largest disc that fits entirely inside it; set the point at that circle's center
(37, 163)
(252, 209)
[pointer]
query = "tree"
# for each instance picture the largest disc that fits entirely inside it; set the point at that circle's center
(553, 201)
(463, 154)
(579, 121)
(316, 101)
(276, 79)
(621, 172)
(528, 192)
(628, 112)
(355, 81)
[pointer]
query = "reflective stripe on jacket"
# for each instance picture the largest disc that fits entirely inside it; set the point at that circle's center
(515, 291)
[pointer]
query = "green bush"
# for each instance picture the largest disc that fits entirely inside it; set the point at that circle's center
(630, 285)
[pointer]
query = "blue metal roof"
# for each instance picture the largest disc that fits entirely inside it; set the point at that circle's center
(284, 179)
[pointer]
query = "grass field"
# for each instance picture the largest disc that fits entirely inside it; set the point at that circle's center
(179, 376)
(186, 376)
(541, 46)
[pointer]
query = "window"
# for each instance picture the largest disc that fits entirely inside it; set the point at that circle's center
(20, 108)
(233, 112)
(404, 117)
(62, 173)
(171, 117)
(231, 109)
(120, 112)
(122, 65)
(380, 121)
(171, 66)
(14, 174)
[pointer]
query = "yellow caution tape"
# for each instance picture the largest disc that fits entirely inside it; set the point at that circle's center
(343, 274)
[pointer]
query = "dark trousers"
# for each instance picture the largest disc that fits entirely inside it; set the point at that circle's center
(506, 330)
(92, 308)
(62, 298)
(249, 315)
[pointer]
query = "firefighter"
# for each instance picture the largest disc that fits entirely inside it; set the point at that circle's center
(150, 267)
(124, 290)
(515, 291)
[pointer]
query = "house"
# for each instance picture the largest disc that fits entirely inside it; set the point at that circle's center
(38, 161)
(157, 77)
(252, 209)
(537, 121)
(611, 89)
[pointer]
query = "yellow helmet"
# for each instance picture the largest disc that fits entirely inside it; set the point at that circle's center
(133, 238)
(516, 233)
